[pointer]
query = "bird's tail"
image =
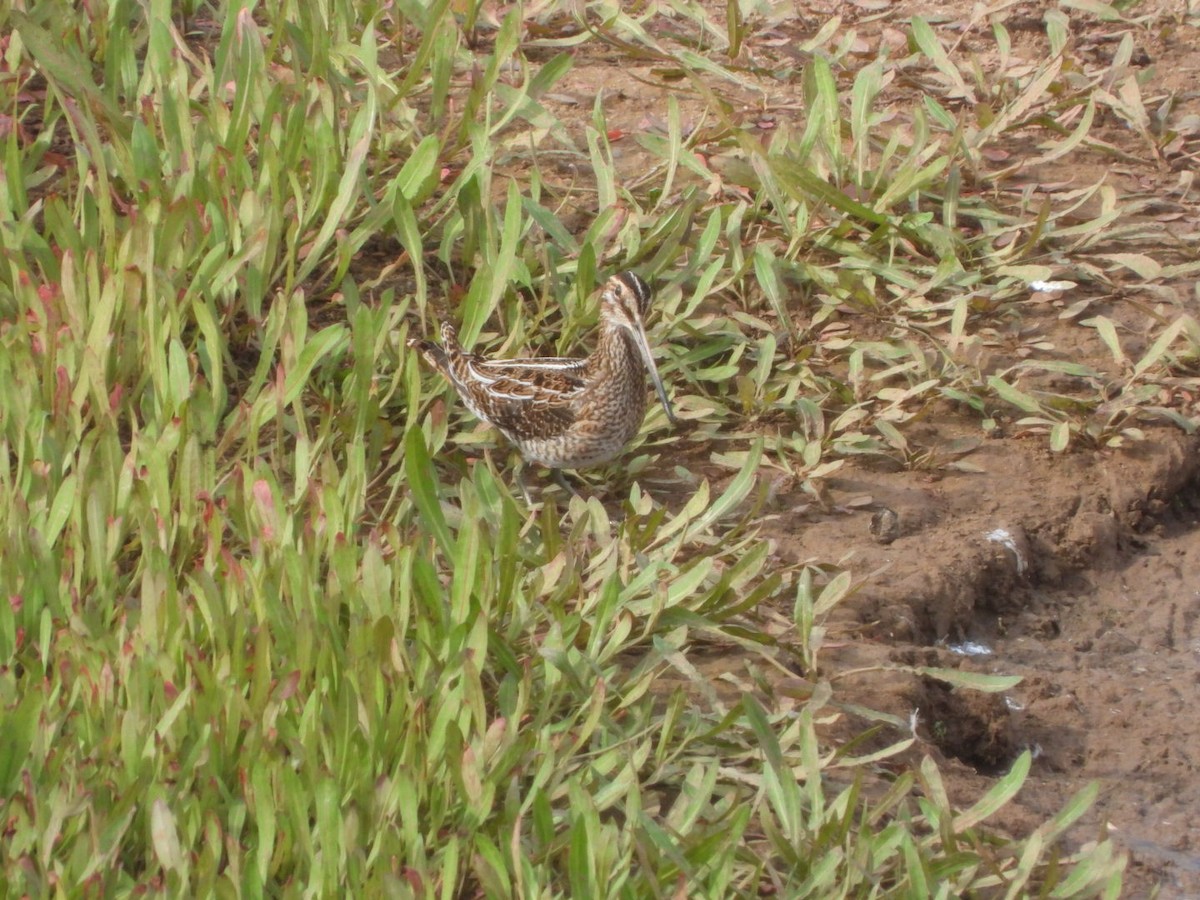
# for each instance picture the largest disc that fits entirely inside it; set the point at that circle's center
(434, 355)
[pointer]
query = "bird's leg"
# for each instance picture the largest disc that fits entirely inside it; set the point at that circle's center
(561, 481)
(519, 475)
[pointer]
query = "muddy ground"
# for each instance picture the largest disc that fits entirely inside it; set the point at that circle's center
(1079, 571)
(1081, 574)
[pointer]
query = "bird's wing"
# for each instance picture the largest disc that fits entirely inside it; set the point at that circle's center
(524, 398)
(528, 398)
(532, 419)
(532, 370)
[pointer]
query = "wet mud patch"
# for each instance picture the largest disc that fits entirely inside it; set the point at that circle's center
(973, 728)
(1080, 573)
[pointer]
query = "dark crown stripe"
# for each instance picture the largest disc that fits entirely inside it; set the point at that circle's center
(637, 287)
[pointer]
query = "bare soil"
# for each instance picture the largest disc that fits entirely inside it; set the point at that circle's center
(1078, 571)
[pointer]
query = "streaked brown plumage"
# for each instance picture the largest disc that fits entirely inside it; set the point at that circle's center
(559, 411)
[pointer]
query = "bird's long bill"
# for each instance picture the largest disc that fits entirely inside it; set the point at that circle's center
(643, 345)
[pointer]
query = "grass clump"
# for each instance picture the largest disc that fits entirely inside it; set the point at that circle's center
(266, 632)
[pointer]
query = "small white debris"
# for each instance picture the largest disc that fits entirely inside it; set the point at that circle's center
(1013, 705)
(914, 719)
(1005, 537)
(1046, 287)
(969, 648)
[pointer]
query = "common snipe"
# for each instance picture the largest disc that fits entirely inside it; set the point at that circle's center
(561, 412)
